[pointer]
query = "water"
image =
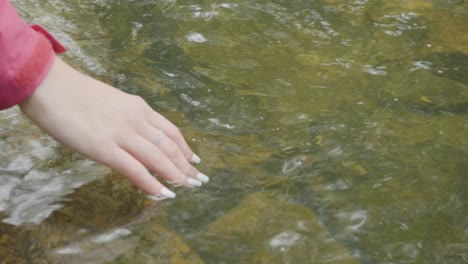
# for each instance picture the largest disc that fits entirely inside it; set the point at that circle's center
(333, 131)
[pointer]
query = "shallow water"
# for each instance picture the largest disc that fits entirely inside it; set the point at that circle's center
(333, 131)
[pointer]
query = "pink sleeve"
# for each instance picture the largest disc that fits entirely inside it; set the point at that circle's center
(26, 55)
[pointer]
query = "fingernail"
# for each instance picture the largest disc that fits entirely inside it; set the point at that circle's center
(165, 193)
(194, 182)
(202, 177)
(168, 193)
(195, 158)
(156, 197)
(174, 184)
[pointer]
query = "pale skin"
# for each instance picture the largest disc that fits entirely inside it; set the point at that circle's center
(113, 128)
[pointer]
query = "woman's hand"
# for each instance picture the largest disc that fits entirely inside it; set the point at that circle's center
(113, 128)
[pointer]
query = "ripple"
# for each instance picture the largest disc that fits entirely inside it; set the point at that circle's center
(111, 236)
(355, 220)
(293, 163)
(196, 37)
(285, 240)
(425, 65)
(218, 123)
(379, 71)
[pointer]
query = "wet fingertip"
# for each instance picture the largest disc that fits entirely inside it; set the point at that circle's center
(194, 182)
(195, 158)
(174, 184)
(156, 197)
(202, 177)
(168, 193)
(165, 193)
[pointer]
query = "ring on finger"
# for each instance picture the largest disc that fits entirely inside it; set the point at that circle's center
(160, 137)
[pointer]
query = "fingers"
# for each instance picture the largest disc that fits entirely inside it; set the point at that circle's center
(159, 121)
(156, 160)
(173, 153)
(129, 167)
(158, 145)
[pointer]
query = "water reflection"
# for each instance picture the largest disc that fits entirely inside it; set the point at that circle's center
(356, 219)
(32, 186)
(38, 194)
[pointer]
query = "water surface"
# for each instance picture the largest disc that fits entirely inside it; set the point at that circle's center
(333, 131)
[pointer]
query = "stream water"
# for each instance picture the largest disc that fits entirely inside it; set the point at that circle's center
(334, 131)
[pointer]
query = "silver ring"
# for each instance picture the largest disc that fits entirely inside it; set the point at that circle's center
(160, 137)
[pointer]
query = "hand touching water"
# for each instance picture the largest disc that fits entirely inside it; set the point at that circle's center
(113, 128)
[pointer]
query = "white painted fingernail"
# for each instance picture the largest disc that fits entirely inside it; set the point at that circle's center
(168, 193)
(202, 177)
(165, 193)
(194, 182)
(156, 197)
(174, 184)
(195, 158)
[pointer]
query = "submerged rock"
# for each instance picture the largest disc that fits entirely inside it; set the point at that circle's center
(266, 228)
(149, 242)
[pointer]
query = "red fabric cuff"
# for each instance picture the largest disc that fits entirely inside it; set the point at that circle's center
(26, 55)
(58, 48)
